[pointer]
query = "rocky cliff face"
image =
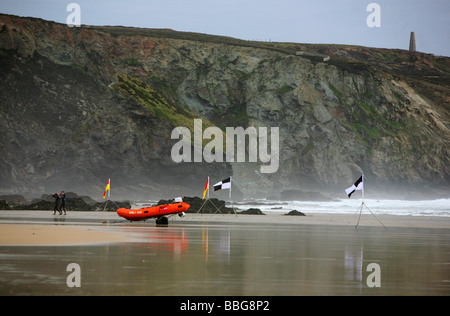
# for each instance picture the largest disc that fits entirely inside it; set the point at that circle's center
(81, 105)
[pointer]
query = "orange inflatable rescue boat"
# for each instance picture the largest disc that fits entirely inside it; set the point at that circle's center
(159, 212)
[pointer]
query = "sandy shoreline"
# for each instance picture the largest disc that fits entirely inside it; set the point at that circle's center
(48, 235)
(42, 228)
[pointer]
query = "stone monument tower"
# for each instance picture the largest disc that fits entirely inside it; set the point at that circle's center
(412, 42)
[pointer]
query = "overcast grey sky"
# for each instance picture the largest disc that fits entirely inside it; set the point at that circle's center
(312, 21)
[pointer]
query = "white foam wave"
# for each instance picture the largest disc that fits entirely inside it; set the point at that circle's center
(439, 207)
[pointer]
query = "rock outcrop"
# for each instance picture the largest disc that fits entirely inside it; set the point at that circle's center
(81, 105)
(197, 205)
(295, 213)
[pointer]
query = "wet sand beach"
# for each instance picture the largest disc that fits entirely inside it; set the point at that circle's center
(29, 228)
(317, 254)
(96, 218)
(47, 235)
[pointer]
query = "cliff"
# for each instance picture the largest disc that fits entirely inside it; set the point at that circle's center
(81, 105)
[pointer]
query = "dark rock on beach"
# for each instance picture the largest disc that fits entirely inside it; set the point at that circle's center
(252, 211)
(73, 203)
(13, 199)
(198, 205)
(295, 213)
(110, 206)
(4, 205)
(40, 205)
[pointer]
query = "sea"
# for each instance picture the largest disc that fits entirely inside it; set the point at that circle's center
(438, 207)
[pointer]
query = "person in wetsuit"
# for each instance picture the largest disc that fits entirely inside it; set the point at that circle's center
(56, 208)
(62, 196)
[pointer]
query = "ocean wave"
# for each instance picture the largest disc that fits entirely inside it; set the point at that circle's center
(439, 207)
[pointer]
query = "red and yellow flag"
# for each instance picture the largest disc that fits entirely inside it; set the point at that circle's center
(206, 188)
(106, 189)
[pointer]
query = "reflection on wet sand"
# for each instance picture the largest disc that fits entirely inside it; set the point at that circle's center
(219, 247)
(353, 263)
(238, 259)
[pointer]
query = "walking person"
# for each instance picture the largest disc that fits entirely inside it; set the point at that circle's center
(62, 196)
(56, 208)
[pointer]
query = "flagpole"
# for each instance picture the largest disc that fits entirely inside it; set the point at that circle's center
(109, 194)
(363, 188)
(232, 204)
(363, 204)
(208, 188)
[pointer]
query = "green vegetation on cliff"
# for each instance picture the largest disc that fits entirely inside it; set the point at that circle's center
(158, 105)
(154, 102)
(368, 124)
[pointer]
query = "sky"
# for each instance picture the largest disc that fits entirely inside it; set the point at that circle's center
(299, 21)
